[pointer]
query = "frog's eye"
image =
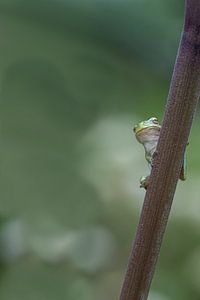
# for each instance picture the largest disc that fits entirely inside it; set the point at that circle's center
(134, 128)
(155, 120)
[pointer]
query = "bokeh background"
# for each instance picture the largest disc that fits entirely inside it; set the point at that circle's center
(75, 76)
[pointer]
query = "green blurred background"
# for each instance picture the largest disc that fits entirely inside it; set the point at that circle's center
(75, 76)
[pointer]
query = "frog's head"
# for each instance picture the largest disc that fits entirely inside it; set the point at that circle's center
(150, 123)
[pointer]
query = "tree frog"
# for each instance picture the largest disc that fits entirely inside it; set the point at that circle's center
(147, 133)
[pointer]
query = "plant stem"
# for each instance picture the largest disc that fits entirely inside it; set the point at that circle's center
(179, 112)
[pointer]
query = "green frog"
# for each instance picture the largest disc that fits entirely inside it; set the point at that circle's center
(147, 133)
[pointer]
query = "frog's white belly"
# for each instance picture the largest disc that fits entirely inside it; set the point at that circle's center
(150, 143)
(150, 146)
(149, 138)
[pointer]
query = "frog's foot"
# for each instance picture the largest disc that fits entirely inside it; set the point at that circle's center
(144, 182)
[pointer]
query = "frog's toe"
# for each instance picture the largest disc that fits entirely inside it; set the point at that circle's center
(144, 182)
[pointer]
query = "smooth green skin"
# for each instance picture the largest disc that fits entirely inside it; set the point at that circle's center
(142, 126)
(152, 122)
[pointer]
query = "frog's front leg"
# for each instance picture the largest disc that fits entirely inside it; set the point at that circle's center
(144, 180)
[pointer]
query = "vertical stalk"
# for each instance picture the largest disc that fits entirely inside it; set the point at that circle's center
(179, 112)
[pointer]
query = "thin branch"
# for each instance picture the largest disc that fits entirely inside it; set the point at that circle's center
(179, 112)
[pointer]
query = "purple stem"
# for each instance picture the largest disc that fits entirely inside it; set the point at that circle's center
(179, 113)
